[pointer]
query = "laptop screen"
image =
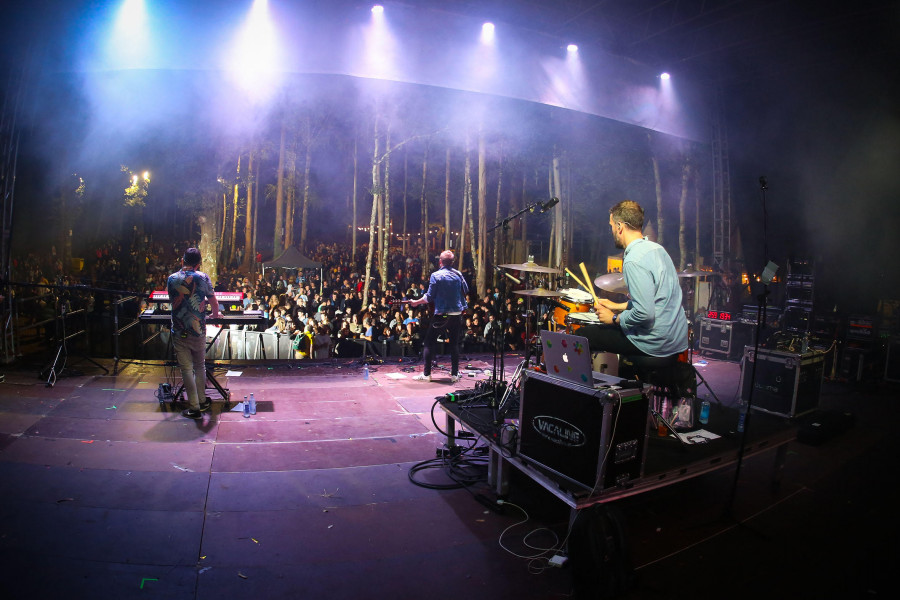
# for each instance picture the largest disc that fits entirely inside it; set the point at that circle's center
(568, 357)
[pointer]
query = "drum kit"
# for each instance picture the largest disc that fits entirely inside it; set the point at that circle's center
(572, 306)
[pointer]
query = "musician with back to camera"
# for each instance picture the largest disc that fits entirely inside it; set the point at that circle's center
(447, 290)
(651, 322)
(189, 291)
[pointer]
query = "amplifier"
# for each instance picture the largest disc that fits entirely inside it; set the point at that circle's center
(588, 439)
(796, 319)
(715, 335)
(787, 384)
(860, 327)
(892, 362)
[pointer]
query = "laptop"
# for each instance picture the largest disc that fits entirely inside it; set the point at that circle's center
(568, 357)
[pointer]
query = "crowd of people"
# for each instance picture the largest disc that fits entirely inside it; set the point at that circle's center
(317, 309)
(319, 312)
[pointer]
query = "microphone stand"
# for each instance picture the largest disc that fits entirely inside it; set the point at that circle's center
(762, 302)
(504, 223)
(498, 382)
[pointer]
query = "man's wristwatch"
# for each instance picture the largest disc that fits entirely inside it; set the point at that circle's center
(615, 318)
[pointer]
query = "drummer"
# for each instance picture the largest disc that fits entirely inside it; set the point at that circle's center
(652, 321)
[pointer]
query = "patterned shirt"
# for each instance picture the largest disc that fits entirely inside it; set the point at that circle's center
(188, 293)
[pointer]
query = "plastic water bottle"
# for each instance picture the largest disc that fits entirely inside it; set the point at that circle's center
(742, 415)
(661, 429)
(252, 404)
(366, 371)
(246, 408)
(704, 412)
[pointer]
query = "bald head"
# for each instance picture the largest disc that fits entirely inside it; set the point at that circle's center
(447, 257)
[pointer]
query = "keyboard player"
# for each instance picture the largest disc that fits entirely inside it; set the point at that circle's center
(189, 292)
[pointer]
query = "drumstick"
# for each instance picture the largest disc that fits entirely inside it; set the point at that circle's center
(587, 278)
(575, 277)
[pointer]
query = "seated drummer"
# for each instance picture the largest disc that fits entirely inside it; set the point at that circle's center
(651, 322)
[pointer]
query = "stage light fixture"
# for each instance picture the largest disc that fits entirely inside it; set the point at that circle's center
(572, 48)
(664, 76)
(377, 9)
(487, 33)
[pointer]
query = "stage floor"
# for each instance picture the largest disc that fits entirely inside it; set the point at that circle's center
(108, 494)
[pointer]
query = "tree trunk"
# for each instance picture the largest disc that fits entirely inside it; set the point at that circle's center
(304, 217)
(447, 202)
(405, 192)
(254, 176)
(209, 246)
(235, 212)
(558, 217)
(386, 201)
(290, 209)
(223, 247)
(249, 250)
(424, 203)
(524, 222)
(682, 206)
(355, 194)
(697, 260)
(660, 221)
(467, 200)
(376, 190)
(481, 264)
(498, 233)
(280, 233)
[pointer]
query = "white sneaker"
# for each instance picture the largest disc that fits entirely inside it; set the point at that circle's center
(422, 377)
(454, 378)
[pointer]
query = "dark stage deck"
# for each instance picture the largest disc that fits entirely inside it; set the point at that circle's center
(106, 495)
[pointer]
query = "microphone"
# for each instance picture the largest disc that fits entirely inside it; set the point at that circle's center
(557, 304)
(549, 204)
(763, 182)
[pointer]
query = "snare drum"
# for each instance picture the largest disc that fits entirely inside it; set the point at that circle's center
(577, 301)
(575, 321)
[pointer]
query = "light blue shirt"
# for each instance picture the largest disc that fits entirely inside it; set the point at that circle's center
(654, 320)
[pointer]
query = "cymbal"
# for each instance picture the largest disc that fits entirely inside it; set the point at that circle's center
(539, 292)
(612, 282)
(691, 273)
(532, 267)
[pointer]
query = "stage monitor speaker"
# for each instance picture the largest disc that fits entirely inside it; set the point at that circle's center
(588, 439)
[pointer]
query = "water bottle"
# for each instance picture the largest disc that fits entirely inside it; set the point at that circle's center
(704, 412)
(661, 429)
(742, 416)
(252, 404)
(366, 371)
(246, 408)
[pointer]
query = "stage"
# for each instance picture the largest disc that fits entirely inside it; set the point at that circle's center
(108, 493)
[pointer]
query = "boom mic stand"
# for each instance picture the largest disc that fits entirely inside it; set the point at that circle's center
(762, 301)
(499, 383)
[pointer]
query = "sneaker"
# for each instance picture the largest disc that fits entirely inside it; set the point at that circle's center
(422, 377)
(454, 378)
(191, 414)
(205, 406)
